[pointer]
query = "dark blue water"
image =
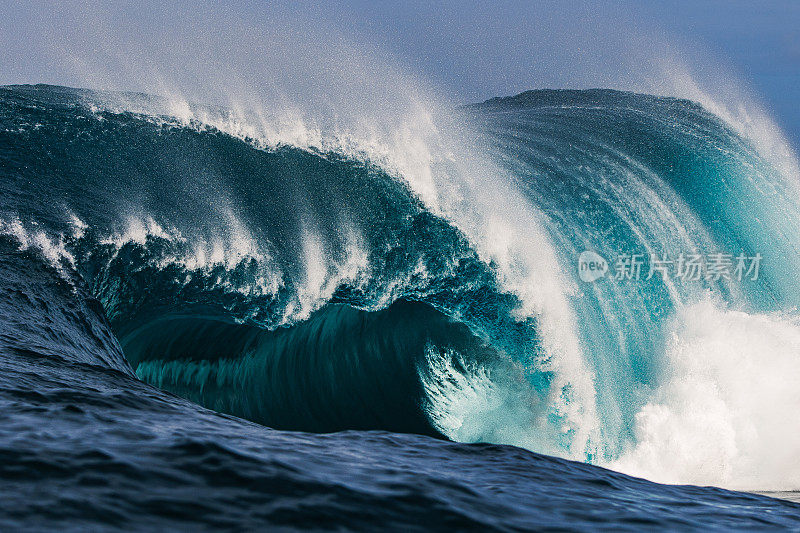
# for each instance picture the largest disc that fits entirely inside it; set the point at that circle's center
(170, 293)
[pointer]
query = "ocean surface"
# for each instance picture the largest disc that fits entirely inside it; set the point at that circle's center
(207, 324)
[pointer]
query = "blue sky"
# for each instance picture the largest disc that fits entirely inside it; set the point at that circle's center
(479, 50)
(757, 41)
(760, 40)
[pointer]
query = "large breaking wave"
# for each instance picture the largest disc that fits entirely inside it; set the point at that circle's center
(424, 280)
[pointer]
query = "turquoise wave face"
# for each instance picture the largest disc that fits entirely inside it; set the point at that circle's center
(623, 176)
(353, 369)
(310, 290)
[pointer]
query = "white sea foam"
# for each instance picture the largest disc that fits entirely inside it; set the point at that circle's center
(727, 412)
(324, 274)
(470, 402)
(51, 248)
(230, 245)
